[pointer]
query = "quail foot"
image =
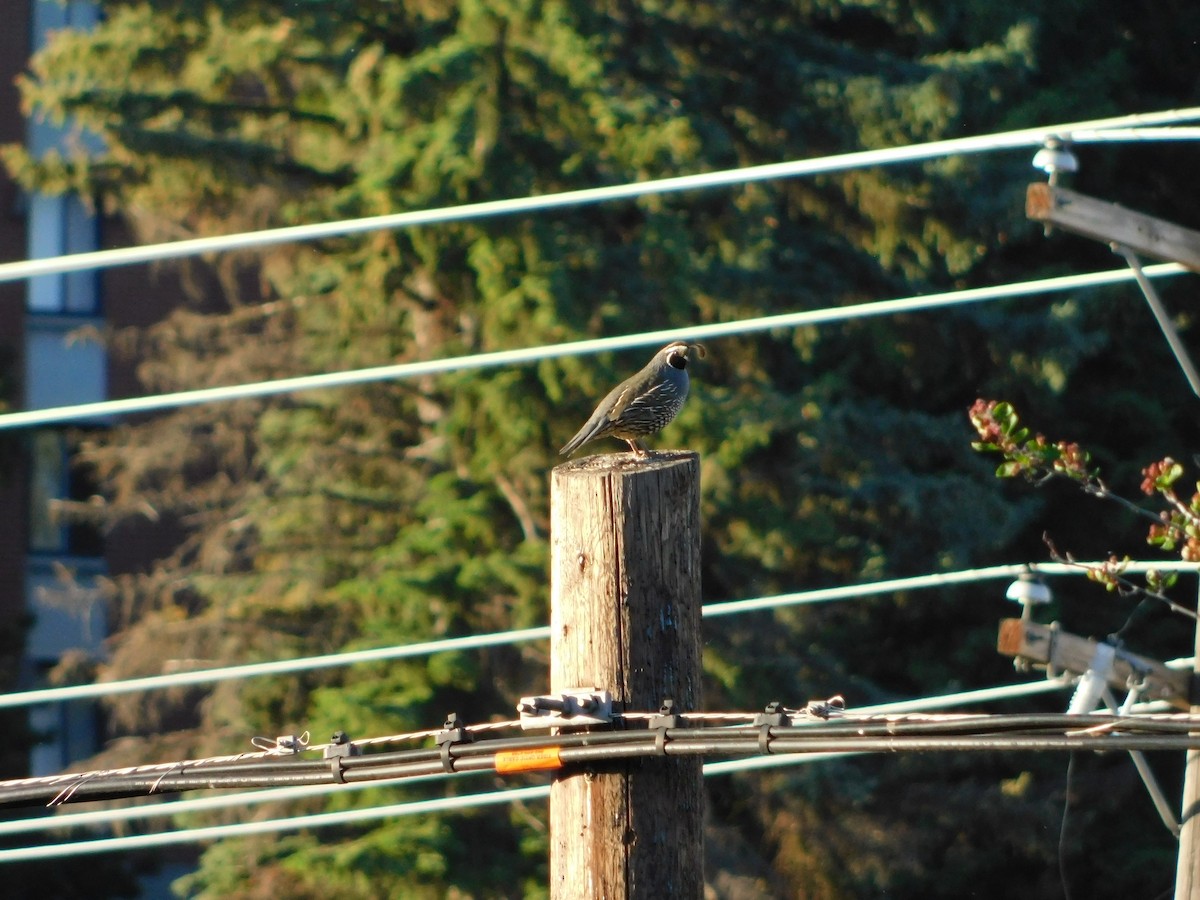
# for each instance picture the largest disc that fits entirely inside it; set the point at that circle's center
(642, 404)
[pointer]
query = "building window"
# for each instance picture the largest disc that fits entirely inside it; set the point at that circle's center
(65, 732)
(61, 225)
(58, 226)
(56, 485)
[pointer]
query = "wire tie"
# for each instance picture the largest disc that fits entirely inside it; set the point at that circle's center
(666, 718)
(159, 780)
(65, 795)
(773, 716)
(339, 747)
(282, 745)
(455, 733)
(335, 768)
(834, 707)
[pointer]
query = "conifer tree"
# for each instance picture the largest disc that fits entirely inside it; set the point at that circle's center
(404, 511)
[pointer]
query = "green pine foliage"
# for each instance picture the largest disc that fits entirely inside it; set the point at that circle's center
(400, 512)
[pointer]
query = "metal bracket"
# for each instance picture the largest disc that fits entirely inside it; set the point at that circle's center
(341, 745)
(1157, 797)
(455, 733)
(775, 715)
(832, 708)
(573, 706)
(668, 717)
(283, 745)
(339, 748)
(1174, 341)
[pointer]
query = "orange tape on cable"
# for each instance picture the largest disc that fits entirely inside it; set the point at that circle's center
(510, 761)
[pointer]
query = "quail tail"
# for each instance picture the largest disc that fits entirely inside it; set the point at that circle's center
(585, 434)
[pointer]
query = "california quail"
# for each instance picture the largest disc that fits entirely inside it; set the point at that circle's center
(643, 404)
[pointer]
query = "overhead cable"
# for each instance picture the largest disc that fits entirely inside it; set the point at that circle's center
(547, 753)
(399, 371)
(273, 667)
(934, 580)
(273, 826)
(1025, 137)
(528, 753)
(889, 734)
(470, 642)
(271, 795)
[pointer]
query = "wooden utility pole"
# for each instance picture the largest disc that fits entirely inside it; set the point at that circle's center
(1187, 870)
(625, 617)
(1132, 233)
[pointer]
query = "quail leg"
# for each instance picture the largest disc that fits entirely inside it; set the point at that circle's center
(639, 449)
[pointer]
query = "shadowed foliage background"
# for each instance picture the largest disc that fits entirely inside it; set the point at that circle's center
(399, 512)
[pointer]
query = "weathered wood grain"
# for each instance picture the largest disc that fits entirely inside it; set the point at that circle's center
(625, 597)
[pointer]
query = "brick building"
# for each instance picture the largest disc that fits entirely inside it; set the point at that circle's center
(51, 355)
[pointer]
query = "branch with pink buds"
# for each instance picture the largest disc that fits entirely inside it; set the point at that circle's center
(1037, 459)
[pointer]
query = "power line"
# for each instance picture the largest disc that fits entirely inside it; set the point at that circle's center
(937, 579)
(1126, 135)
(1026, 137)
(273, 826)
(858, 734)
(794, 733)
(523, 754)
(275, 667)
(470, 642)
(223, 801)
(239, 800)
(399, 371)
(962, 698)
